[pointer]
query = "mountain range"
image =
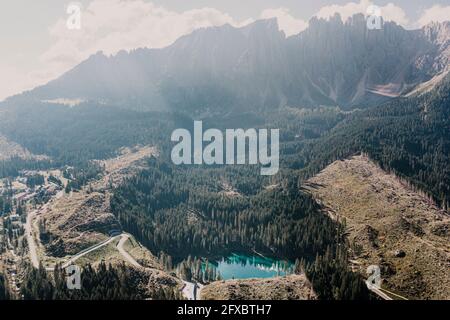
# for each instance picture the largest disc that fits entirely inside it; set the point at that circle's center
(331, 63)
(364, 117)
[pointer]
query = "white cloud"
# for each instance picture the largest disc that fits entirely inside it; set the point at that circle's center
(114, 25)
(389, 12)
(436, 13)
(286, 21)
(111, 26)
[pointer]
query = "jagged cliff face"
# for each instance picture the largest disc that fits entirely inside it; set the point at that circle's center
(439, 35)
(225, 68)
(349, 65)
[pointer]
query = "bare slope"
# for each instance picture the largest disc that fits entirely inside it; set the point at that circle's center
(10, 149)
(81, 219)
(294, 287)
(390, 225)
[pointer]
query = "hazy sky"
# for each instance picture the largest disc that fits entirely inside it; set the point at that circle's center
(36, 46)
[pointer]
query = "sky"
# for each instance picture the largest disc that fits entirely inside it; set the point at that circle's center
(36, 45)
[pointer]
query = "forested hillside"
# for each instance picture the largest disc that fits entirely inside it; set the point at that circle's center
(73, 135)
(105, 282)
(409, 137)
(212, 211)
(4, 295)
(98, 140)
(183, 211)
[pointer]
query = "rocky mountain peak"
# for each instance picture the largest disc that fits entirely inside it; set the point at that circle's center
(332, 62)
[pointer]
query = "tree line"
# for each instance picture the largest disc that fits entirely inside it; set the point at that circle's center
(104, 282)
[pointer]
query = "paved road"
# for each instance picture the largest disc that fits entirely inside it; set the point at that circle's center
(125, 254)
(84, 252)
(379, 293)
(32, 247)
(88, 250)
(32, 250)
(188, 288)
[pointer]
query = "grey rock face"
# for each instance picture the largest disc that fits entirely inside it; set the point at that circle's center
(256, 66)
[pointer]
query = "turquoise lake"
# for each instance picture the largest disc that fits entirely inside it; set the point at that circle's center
(238, 266)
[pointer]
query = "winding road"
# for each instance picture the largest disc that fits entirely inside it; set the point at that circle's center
(125, 254)
(32, 249)
(379, 293)
(88, 250)
(188, 290)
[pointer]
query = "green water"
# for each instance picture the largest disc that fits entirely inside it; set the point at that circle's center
(238, 266)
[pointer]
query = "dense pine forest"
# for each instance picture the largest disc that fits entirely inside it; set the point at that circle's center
(105, 282)
(181, 211)
(408, 136)
(73, 136)
(4, 294)
(185, 211)
(5, 204)
(331, 278)
(212, 211)
(13, 166)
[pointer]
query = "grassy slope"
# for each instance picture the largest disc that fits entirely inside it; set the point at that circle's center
(384, 215)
